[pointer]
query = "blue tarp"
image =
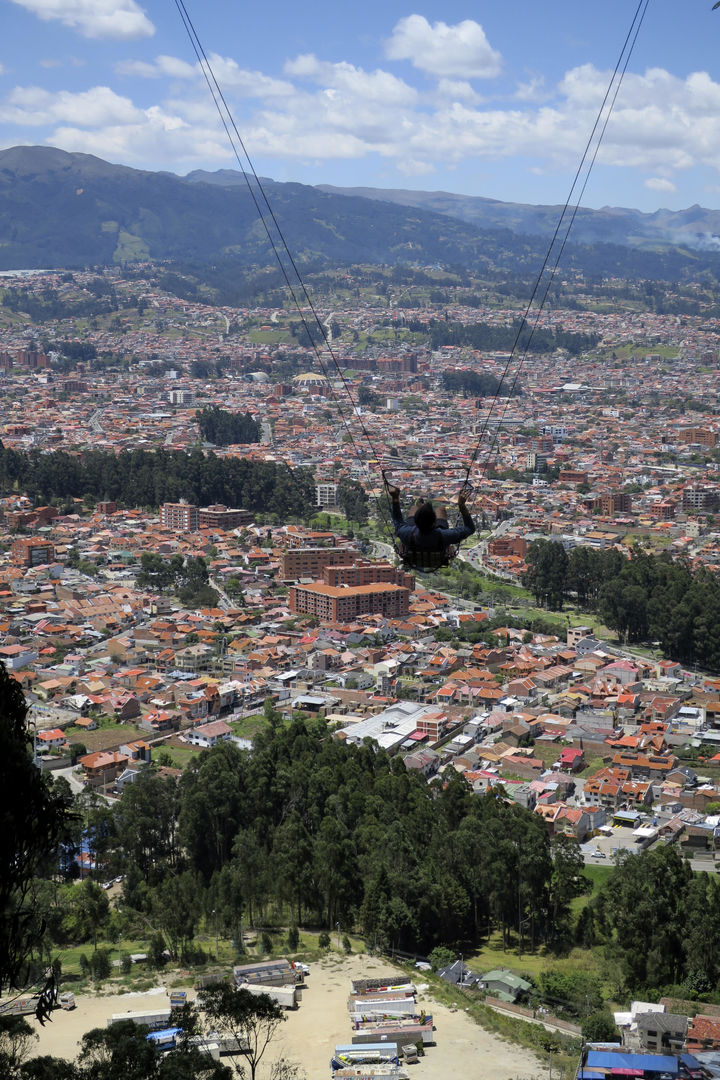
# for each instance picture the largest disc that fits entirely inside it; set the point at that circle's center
(165, 1034)
(649, 1063)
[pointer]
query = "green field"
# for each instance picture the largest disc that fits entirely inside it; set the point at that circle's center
(181, 755)
(249, 726)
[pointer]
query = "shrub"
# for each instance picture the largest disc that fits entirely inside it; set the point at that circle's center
(324, 940)
(101, 964)
(293, 938)
(156, 955)
(441, 957)
(599, 1027)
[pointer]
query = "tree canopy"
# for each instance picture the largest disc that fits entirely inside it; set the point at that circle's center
(225, 428)
(34, 814)
(152, 477)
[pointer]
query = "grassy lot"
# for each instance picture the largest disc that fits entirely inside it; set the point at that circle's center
(592, 767)
(219, 955)
(493, 955)
(105, 738)
(547, 752)
(269, 337)
(104, 723)
(598, 875)
(249, 726)
(181, 755)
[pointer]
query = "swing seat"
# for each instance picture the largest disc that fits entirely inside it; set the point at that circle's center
(424, 561)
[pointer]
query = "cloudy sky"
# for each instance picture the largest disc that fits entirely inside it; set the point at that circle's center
(494, 98)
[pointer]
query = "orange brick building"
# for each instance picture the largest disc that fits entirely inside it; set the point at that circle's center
(311, 561)
(339, 604)
(32, 551)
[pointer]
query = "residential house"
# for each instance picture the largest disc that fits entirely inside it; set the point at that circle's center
(662, 1031)
(703, 1033)
(504, 984)
(572, 758)
(53, 739)
(103, 767)
(207, 735)
(459, 974)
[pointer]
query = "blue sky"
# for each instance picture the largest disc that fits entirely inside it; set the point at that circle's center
(495, 98)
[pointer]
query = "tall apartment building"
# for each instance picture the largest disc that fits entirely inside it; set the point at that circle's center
(326, 494)
(27, 358)
(32, 551)
(181, 396)
(220, 517)
(340, 604)
(696, 435)
(619, 502)
(367, 573)
(184, 517)
(700, 498)
(310, 562)
(181, 517)
(572, 476)
(557, 432)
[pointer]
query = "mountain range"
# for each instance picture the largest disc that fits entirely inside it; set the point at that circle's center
(59, 209)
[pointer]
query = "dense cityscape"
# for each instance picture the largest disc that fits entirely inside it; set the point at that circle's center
(199, 580)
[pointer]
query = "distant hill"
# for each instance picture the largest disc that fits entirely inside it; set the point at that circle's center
(695, 228)
(60, 209)
(66, 210)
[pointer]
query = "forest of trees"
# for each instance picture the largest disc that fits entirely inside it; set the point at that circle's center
(187, 577)
(152, 477)
(484, 336)
(643, 598)
(660, 923)
(305, 830)
(353, 500)
(48, 305)
(476, 383)
(314, 832)
(225, 428)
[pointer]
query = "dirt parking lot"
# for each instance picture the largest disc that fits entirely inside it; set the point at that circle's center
(462, 1051)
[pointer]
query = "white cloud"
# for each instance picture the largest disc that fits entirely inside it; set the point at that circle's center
(169, 66)
(151, 140)
(119, 19)
(532, 90)
(411, 167)
(352, 83)
(656, 183)
(660, 122)
(460, 51)
(456, 89)
(229, 75)
(247, 83)
(137, 69)
(319, 110)
(95, 108)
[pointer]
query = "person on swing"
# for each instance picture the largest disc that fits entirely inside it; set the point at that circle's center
(426, 529)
